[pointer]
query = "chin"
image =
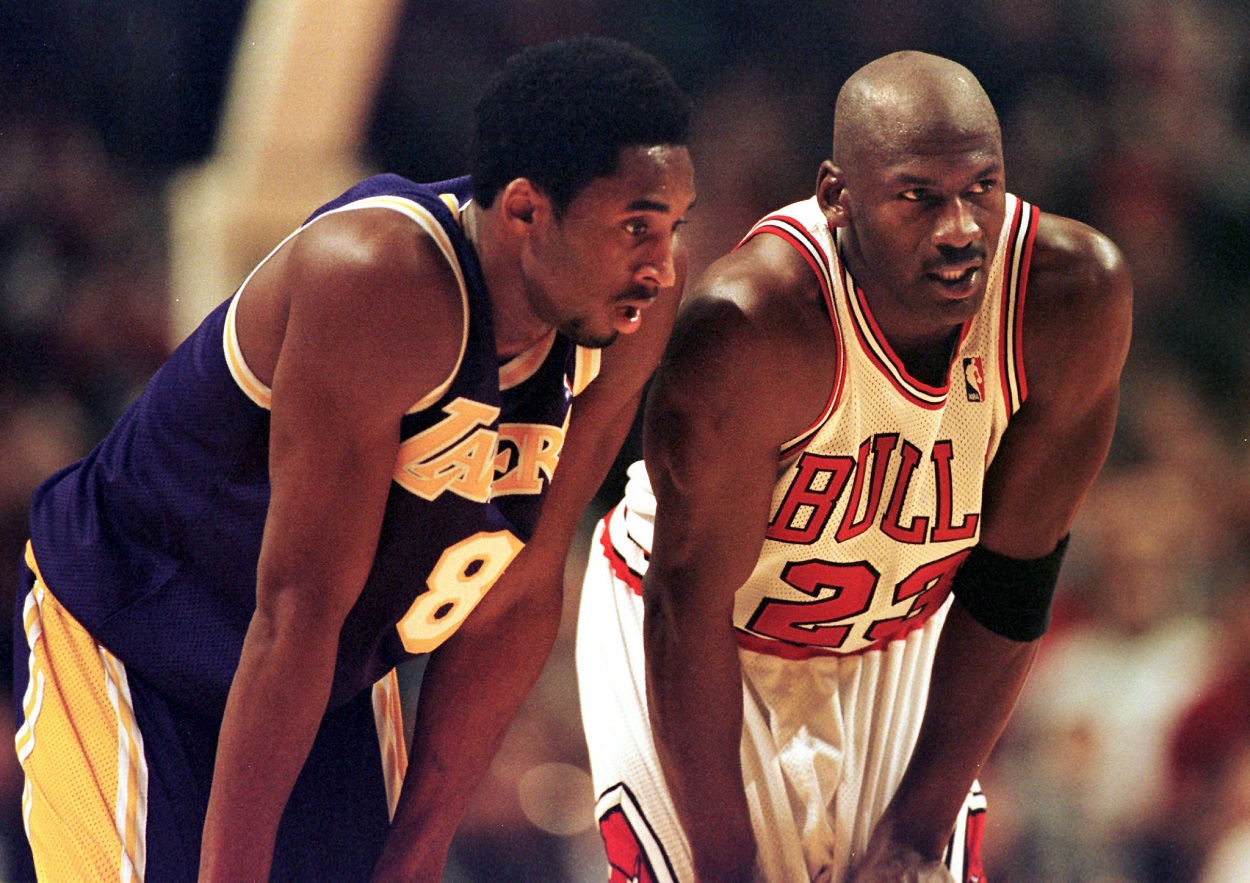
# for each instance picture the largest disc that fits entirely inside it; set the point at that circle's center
(962, 308)
(583, 336)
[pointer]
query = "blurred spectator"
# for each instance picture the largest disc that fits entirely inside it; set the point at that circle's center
(1207, 813)
(1228, 860)
(82, 327)
(1088, 748)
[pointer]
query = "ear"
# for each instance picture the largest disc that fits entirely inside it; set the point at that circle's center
(831, 193)
(523, 203)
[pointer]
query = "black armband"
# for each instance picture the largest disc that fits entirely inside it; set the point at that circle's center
(1009, 596)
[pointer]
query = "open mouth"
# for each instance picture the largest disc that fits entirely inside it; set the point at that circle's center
(959, 280)
(627, 311)
(627, 318)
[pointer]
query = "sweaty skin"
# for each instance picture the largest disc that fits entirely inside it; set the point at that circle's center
(916, 185)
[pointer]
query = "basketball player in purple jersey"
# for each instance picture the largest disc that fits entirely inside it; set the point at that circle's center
(353, 462)
(868, 438)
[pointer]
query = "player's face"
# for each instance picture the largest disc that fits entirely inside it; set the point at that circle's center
(922, 222)
(592, 271)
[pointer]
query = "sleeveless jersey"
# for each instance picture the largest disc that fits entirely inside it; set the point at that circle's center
(152, 540)
(874, 507)
(879, 501)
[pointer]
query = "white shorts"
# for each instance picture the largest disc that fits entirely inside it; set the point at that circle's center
(825, 739)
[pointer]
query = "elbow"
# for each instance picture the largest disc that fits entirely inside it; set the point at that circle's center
(683, 616)
(657, 628)
(296, 615)
(662, 614)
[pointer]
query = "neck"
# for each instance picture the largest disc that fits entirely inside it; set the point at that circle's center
(929, 361)
(517, 328)
(924, 344)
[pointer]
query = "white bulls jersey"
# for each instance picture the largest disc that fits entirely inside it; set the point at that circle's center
(881, 499)
(875, 507)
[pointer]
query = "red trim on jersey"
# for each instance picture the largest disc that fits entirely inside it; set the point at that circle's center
(620, 569)
(1011, 324)
(786, 650)
(1005, 320)
(1005, 312)
(1025, 261)
(767, 225)
(798, 236)
(973, 838)
(892, 367)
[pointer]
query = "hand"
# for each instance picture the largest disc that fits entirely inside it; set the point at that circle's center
(888, 861)
(909, 867)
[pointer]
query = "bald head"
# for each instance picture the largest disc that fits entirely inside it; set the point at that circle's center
(912, 102)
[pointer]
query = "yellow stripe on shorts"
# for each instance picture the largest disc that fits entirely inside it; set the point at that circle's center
(84, 804)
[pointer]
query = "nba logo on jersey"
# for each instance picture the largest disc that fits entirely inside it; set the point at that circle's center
(974, 379)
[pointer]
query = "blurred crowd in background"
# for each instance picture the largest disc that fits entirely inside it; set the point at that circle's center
(1129, 756)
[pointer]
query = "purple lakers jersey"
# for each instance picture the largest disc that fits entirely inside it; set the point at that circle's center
(152, 540)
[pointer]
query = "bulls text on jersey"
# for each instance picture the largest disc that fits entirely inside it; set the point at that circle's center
(819, 482)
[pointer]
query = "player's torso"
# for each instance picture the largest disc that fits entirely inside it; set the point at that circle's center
(468, 486)
(878, 504)
(475, 459)
(169, 510)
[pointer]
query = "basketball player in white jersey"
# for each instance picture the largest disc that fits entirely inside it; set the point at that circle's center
(869, 436)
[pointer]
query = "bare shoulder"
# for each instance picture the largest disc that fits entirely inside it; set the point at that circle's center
(1078, 305)
(357, 290)
(1078, 272)
(1077, 320)
(752, 346)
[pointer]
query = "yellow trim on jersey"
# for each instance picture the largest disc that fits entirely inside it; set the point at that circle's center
(239, 370)
(388, 718)
(586, 368)
(31, 562)
(84, 804)
(521, 368)
(260, 393)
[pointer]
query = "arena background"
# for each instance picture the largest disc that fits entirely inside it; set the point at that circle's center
(151, 150)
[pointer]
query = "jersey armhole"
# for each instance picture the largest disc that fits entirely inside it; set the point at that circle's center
(261, 394)
(1015, 284)
(814, 254)
(586, 366)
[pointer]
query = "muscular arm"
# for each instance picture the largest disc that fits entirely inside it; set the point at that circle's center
(331, 322)
(1077, 324)
(729, 393)
(475, 682)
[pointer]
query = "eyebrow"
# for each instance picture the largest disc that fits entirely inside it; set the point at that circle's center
(990, 169)
(652, 205)
(647, 205)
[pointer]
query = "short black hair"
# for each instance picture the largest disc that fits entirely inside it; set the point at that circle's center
(560, 113)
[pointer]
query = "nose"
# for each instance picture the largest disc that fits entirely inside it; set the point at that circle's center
(657, 269)
(956, 227)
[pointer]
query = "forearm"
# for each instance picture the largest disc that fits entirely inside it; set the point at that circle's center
(977, 678)
(476, 682)
(462, 719)
(694, 694)
(274, 708)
